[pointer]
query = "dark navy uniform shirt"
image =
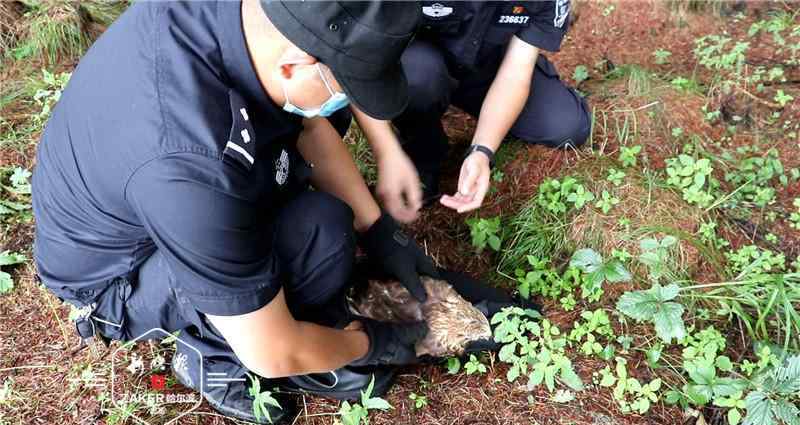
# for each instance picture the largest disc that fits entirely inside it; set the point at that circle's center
(165, 139)
(475, 32)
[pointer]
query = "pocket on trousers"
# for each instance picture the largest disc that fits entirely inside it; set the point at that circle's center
(109, 314)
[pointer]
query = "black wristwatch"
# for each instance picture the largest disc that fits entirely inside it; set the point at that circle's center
(482, 149)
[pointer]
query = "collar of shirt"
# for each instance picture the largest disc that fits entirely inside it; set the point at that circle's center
(239, 67)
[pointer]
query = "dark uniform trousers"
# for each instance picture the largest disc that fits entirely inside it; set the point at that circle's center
(554, 115)
(314, 243)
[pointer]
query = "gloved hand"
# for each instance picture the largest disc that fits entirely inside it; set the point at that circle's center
(390, 343)
(387, 244)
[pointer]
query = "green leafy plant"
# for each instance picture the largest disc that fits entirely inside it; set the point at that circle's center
(751, 260)
(693, 177)
(49, 95)
(606, 202)
(655, 254)
(755, 177)
(355, 414)
(261, 399)
(580, 74)
(485, 232)
(554, 195)
(474, 365)
(615, 176)
(453, 365)
(794, 217)
(15, 199)
(597, 272)
(589, 332)
(628, 155)
(8, 258)
(774, 401)
(782, 98)
(541, 358)
(420, 401)
(662, 56)
(630, 394)
(541, 279)
(655, 305)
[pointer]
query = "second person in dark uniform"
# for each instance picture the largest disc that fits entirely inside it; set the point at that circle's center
(484, 57)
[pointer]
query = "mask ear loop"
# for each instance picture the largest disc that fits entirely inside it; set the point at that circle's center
(285, 95)
(325, 81)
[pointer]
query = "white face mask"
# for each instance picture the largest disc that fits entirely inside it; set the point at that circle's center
(334, 103)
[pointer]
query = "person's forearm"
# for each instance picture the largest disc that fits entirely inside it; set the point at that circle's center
(321, 349)
(379, 134)
(507, 96)
(335, 172)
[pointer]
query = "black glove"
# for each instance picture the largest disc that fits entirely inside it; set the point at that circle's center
(391, 343)
(387, 244)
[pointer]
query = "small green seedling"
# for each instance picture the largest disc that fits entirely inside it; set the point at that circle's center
(420, 401)
(615, 176)
(606, 202)
(580, 74)
(485, 232)
(356, 413)
(474, 366)
(628, 155)
(662, 56)
(261, 399)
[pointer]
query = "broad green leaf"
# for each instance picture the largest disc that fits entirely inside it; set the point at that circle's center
(669, 322)
(587, 260)
(651, 305)
(758, 409)
(571, 379)
(787, 412)
(615, 272)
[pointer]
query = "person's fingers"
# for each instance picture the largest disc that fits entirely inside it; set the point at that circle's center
(392, 201)
(454, 202)
(411, 281)
(482, 187)
(413, 191)
(466, 180)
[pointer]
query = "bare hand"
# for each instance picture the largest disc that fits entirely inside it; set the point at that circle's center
(398, 186)
(473, 183)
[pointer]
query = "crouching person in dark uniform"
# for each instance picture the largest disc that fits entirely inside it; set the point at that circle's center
(170, 191)
(484, 57)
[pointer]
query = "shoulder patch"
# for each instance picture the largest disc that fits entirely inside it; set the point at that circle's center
(562, 13)
(240, 146)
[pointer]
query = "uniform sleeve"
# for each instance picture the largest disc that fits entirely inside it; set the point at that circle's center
(211, 230)
(549, 22)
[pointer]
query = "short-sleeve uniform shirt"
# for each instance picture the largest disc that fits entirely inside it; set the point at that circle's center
(475, 32)
(164, 139)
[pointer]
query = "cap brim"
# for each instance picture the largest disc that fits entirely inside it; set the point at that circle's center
(384, 98)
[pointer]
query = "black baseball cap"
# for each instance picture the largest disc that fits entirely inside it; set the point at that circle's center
(360, 41)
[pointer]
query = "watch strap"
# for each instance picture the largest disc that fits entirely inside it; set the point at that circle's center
(482, 149)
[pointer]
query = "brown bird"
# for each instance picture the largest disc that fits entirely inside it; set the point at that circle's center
(452, 321)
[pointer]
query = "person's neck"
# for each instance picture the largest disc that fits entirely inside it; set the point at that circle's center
(264, 50)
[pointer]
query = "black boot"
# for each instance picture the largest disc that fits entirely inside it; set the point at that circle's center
(345, 383)
(233, 399)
